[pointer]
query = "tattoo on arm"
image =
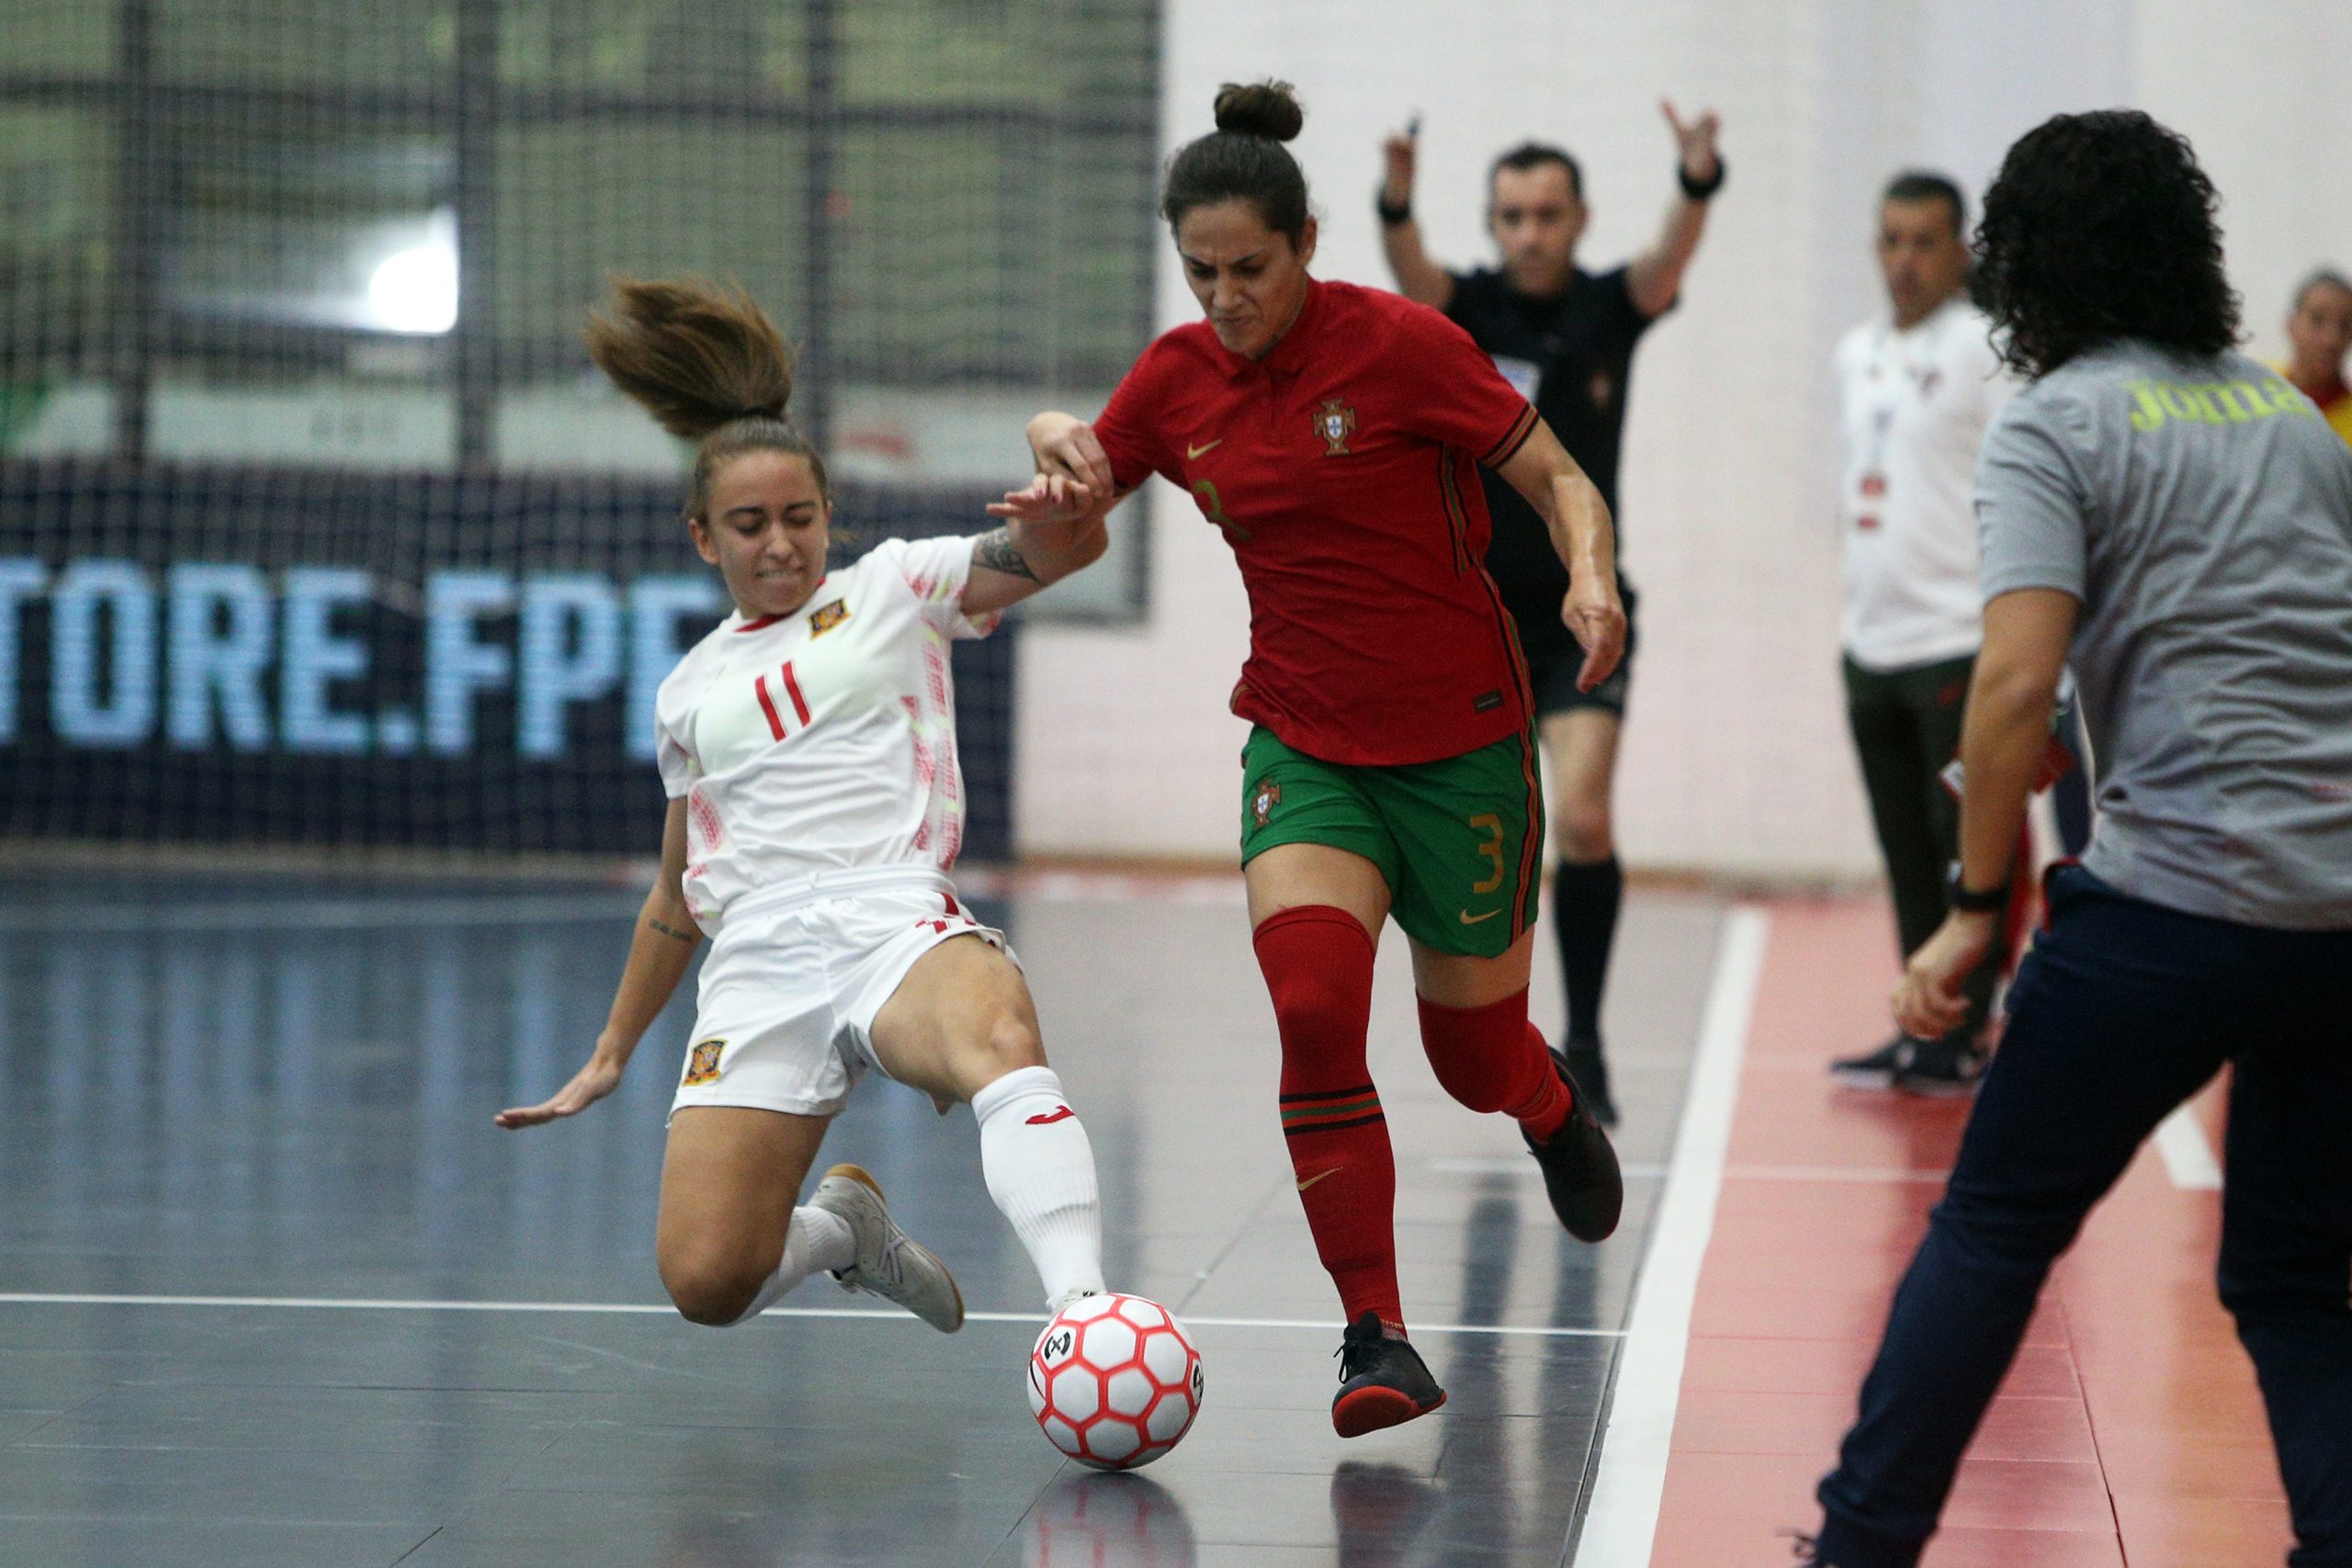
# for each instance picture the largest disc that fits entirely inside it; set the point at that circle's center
(672, 932)
(995, 550)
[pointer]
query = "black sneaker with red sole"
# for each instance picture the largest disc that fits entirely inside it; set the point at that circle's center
(1580, 1174)
(1383, 1382)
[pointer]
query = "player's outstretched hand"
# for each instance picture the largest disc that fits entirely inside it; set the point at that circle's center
(589, 1085)
(1928, 1001)
(1596, 619)
(1067, 448)
(1049, 501)
(1694, 142)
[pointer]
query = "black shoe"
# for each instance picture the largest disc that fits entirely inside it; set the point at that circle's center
(1941, 1070)
(1879, 1068)
(1592, 1076)
(1383, 1382)
(1580, 1174)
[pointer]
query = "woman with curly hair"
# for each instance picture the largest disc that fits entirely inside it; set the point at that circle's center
(2175, 520)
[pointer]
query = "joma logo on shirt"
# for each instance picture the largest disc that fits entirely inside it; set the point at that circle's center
(2213, 403)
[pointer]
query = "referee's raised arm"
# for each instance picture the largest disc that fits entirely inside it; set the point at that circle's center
(1418, 277)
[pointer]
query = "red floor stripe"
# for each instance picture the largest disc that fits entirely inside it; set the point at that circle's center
(2129, 1429)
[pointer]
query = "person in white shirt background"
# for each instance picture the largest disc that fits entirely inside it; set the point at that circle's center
(1917, 390)
(808, 749)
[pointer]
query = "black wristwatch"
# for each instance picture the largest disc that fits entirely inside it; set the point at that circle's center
(1700, 190)
(1390, 217)
(1968, 900)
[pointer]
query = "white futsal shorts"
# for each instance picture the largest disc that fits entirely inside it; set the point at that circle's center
(793, 980)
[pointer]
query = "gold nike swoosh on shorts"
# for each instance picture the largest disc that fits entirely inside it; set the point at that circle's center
(1192, 452)
(1470, 919)
(1318, 1176)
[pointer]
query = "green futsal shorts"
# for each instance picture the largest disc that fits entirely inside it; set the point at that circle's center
(1460, 840)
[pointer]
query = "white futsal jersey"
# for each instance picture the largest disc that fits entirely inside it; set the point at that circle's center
(824, 741)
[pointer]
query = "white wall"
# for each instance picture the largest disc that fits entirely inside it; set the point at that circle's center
(1736, 760)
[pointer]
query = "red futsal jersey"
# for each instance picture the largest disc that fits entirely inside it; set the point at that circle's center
(1340, 468)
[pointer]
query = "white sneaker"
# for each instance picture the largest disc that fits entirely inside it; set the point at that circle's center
(1077, 1293)
(889, 1263)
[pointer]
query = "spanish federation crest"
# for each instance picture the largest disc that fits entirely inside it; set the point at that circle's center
(828, 617)
(702, 1062)
(1262, 804)
(1335, 422)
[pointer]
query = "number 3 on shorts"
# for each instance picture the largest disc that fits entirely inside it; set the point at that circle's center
(1491, 851)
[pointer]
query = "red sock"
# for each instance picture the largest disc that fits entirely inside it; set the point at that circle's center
(1490, 1058)
(1317, 962)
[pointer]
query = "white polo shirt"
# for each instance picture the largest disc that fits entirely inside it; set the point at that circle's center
(824, 741)
(1914, 406)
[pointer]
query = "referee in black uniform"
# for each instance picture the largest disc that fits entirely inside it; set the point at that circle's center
(1564, 337)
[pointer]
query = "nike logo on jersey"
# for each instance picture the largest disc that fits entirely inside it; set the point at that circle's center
(1193, 453)
(1058, 1113)
(1470, 919)
(1319, 1175)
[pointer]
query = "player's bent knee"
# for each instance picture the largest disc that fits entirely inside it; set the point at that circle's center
(1010, 1044)
(713, 1290)
(1314, 1001)
(1464, 1044)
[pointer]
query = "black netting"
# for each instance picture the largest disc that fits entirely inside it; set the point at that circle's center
(315, 525)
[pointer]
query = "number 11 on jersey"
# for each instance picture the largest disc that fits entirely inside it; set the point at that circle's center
(791, 691)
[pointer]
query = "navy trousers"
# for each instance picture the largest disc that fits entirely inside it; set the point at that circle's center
(2121, 1011)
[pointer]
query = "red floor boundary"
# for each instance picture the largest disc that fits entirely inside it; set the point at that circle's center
(2130, 1432)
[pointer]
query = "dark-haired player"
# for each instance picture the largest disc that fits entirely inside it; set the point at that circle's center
(1564, 338)
(1330, 433)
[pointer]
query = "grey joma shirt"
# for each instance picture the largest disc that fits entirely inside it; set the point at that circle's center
(2201, 510)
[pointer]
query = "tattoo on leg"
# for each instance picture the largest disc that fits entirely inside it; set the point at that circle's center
(994, 549)
(672, 931)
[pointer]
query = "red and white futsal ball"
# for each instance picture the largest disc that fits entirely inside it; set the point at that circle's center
(1115, 1381)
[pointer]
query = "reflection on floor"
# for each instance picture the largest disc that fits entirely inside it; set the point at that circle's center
(280, 1092)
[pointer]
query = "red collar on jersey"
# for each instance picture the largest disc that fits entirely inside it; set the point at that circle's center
(1288, 356)
(766, 621)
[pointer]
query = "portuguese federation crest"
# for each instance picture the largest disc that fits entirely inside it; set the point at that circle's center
(1268, 796)
(828, 617)
(1335, 422)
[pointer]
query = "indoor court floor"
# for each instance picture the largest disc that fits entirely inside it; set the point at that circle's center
(274, 1290)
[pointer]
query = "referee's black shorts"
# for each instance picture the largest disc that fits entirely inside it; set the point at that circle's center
(1554, 658)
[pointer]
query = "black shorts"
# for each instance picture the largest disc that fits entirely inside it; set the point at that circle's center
(1554, 658)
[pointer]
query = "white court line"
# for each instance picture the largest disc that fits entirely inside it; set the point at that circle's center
(648, 1309)
(1621, 1522)
(2188, 1158)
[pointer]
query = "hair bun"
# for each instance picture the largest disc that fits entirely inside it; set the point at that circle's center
(1270, 109)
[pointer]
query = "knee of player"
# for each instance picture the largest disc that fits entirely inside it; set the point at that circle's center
(711, 1291)
(1583, 830)
(1009, 1043)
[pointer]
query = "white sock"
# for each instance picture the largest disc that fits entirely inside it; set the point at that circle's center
(1040, 1169)
(814, 1240)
